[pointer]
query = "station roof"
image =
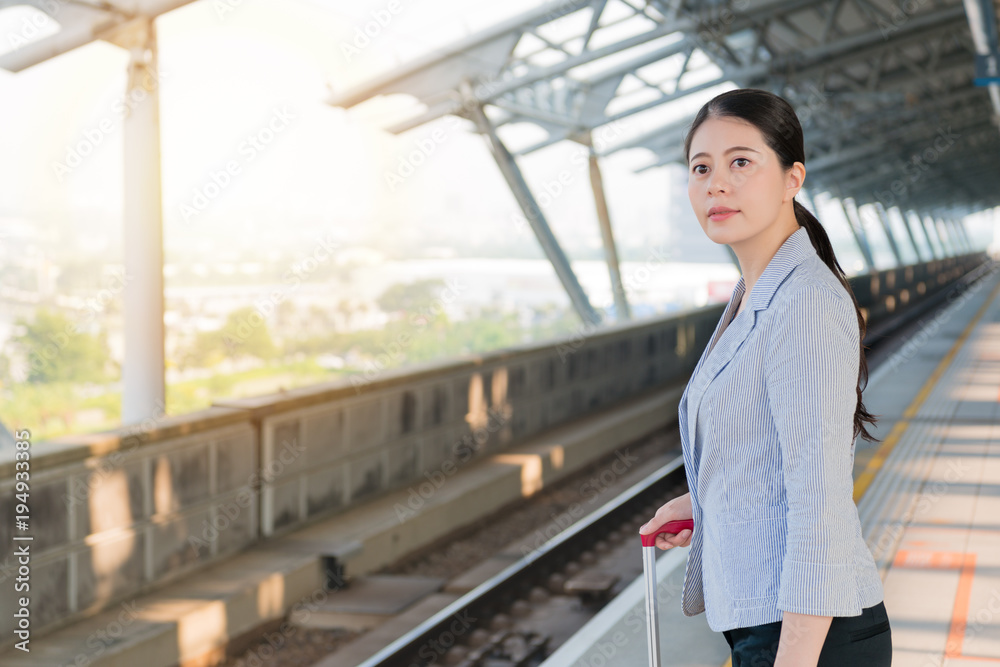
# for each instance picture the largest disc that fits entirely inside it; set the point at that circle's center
(887, 99)
(79, 22)
(885, 91)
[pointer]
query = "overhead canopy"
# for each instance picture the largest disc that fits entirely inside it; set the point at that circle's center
(886, 98)
(80, 22)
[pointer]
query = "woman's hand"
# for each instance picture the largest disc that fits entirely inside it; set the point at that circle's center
(802, 639)
(673, 510)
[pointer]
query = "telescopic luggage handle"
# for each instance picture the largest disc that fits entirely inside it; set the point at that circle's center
(649, 573)
(670, 527)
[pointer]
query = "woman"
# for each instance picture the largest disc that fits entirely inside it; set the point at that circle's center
(769, 417)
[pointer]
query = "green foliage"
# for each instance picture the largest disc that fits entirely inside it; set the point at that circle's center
(415, 297)
(245, 333)
(415, 334)
(57, 352)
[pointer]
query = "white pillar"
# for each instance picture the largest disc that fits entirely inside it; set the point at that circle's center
(143, 385)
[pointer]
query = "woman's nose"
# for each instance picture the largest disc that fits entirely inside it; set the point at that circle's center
(717, 183)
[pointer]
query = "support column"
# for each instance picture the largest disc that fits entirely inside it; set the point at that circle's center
(946, 239)
(949, 228)
(610, 251)
(884, 221)
(962, 234)
(909, 233)
(515, 181)
(928, 228)
(909, 217)
(143, 382)
(859, 236)
(965, 230)
(965, 234)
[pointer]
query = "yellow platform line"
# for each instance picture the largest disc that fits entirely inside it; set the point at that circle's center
(875, 464)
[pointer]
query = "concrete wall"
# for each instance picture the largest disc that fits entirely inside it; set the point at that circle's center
(113, 512)
(887, 293)
(116, 514)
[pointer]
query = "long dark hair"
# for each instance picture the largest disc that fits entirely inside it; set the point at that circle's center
(777, 122)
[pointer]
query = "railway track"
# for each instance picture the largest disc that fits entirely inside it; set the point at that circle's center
(519, 616)
(517, 612)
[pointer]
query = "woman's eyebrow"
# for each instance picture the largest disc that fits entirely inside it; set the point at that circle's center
(728, 150)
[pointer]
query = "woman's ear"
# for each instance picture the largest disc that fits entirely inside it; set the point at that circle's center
(794, 180)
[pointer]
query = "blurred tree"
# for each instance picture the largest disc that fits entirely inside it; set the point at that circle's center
(56, 352)
(244, 333)
(205, 351)
(417, 296)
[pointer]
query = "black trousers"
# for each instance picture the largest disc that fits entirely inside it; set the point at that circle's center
(864, 641)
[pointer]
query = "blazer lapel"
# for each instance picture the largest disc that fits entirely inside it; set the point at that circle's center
(721, 354)
(796, 248)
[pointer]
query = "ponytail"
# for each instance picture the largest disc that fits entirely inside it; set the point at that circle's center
(821, 241)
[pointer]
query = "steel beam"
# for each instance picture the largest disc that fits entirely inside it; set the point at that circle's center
(532, 212)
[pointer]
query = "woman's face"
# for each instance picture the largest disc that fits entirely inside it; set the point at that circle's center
(731, 167)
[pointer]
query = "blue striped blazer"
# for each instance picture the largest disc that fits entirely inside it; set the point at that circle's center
(766, 424)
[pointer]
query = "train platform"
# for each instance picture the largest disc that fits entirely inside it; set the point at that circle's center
(199, 619)
(928, 497)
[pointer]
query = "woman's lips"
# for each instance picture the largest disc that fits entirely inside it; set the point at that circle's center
(722, 215)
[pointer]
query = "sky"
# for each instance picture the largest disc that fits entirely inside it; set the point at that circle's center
(232, 69)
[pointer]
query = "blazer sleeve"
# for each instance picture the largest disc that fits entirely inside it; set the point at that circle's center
(811, 377)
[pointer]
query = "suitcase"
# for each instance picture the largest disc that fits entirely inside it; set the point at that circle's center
(649, 573)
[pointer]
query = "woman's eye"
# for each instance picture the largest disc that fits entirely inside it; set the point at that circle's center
(739, 159)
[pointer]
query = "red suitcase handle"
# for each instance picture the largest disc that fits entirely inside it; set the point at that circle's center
(671, 527)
